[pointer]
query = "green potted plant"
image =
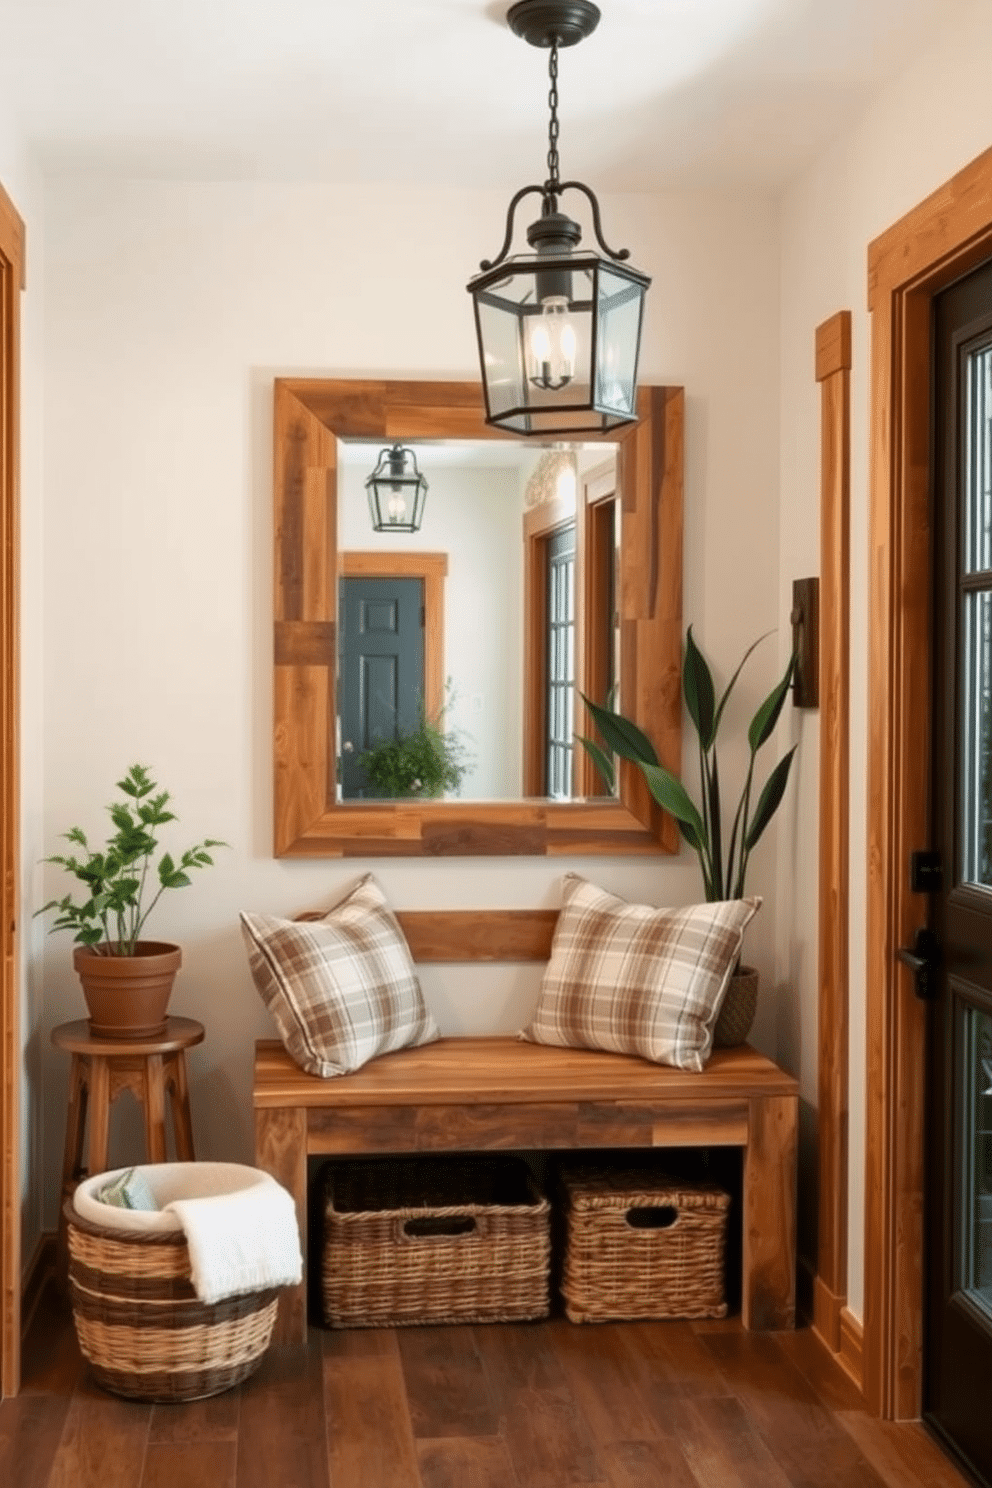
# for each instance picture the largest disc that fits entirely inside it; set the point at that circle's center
(126, 980)
(429, 762)
(723, 857)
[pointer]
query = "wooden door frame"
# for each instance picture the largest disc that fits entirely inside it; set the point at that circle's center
(432, 570)
(11, 285)
(938, 241)
(539, 524)
(597, 492)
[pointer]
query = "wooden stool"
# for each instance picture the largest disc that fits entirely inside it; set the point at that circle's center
(101, 1069)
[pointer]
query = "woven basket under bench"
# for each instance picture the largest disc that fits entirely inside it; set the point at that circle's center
(140, 1324)
(434, 1240)
(640, 1244)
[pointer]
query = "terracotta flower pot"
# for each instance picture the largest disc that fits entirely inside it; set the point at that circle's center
(127, 996)
(737, 1010)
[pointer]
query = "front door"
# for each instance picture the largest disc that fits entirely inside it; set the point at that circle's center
(381, 660)
(958, 1363)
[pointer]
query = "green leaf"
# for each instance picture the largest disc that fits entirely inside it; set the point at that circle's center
(716, 827)
(730, 685)
(622, 736)
(697, 683)
(602, 761)
(763, 723)
(672, 797)
(768, 801)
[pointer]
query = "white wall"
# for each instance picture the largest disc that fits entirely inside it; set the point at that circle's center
(475, 516)
(922, 129)
(23, 185)
(170, 307)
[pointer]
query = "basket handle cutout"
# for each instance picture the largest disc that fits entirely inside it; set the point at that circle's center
(439, 1225)
(657, 1217)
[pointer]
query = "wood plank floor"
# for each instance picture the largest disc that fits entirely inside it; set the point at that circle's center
(547, 1405)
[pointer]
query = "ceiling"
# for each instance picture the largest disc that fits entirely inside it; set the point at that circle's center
(665, 94)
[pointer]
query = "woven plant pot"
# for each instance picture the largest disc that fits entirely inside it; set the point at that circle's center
(737, 1011)
(140, 1324)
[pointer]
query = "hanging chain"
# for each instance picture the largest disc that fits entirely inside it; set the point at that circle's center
(553, 183)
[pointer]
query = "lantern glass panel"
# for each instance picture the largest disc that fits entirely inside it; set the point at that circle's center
(621, 305)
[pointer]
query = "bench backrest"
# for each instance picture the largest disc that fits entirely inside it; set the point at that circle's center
(437, 935)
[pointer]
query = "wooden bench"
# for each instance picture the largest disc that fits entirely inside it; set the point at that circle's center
(499, 1092)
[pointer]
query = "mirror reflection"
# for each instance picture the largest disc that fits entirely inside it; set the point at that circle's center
(462, 645)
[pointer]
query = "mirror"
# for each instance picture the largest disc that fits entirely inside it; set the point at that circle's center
(628, 525)
(431, 670)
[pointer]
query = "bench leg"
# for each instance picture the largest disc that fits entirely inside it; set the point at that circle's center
(281, 1149)
(768, 1282)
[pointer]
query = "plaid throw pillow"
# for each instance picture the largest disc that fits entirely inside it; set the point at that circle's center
(341, 989)
(634, 980)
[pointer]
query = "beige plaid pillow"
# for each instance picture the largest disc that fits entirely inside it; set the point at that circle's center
(634, 980)
(341, 989)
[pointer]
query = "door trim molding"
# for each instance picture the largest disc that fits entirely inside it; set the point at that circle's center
(833, 373)
(12, 257)
(939, 240)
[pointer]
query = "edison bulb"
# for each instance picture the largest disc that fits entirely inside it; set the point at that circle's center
(552, 345)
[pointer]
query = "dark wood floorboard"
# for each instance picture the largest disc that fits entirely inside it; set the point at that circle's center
(546, 1405)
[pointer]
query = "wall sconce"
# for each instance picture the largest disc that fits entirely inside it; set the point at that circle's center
(559, 330)
(805, 619)
(396, 491)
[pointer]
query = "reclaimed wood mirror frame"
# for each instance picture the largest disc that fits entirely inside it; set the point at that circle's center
(311, 414)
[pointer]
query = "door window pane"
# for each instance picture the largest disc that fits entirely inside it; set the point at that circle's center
(978, 468)
(977, 1127)
(976, 754)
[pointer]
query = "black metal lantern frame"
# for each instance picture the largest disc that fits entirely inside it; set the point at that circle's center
(559, 329)
(396, 491)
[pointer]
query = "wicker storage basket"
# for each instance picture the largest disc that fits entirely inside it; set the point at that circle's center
(142, 1327)
(434, 1240)
(642, 1245)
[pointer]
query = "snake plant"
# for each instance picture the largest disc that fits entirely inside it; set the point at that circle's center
(724, 869)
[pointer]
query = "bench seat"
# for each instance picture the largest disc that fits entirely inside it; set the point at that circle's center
(500, 1092)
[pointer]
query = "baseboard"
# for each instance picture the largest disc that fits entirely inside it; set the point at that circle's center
(805, 1285)
(840, 1332)
(851, 1356)
(36, 1274)
(827, 1310)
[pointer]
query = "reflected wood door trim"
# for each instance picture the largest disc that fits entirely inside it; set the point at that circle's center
(432, 570)
(599, 490)
(539, 524)
(12, 282)
(833, 373)
(938, 241)
(309, 415)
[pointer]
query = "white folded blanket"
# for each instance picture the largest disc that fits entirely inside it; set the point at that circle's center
(240, 1224)
(241, 1242)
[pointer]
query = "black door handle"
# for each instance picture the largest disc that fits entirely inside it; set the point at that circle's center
(923, 960)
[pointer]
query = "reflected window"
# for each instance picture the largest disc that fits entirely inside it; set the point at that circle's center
(560, 702)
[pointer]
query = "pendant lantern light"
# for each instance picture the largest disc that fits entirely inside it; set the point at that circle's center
(559, 329)
(396, 491)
